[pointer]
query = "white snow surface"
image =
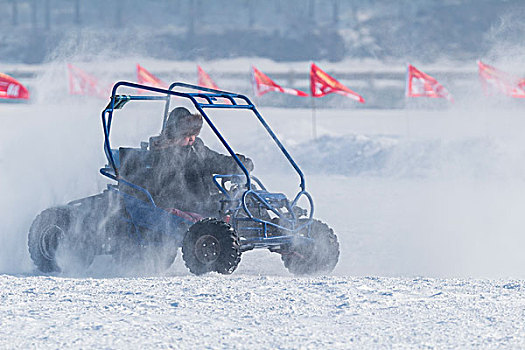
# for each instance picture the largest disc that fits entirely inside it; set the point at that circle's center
(248, 311)
(429, 201)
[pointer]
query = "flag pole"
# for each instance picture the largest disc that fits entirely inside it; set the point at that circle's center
(312, 93)
(407, 84)
(407, 90)
(314, 121)
(254, 86)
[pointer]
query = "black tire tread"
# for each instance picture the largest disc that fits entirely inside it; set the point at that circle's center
(63, 218)
(228, 260)
(321, 260)
(67, 219)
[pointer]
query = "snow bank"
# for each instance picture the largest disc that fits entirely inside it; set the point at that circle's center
(390, 156)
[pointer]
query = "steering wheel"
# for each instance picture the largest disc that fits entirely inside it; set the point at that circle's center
(235, 185)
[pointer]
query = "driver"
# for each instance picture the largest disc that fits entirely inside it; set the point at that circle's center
(182, 166)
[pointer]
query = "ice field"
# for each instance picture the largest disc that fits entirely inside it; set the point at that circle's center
(427, 206)
(247, 311)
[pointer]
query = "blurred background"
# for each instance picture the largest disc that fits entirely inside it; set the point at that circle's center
(291, 30)
(364, 44)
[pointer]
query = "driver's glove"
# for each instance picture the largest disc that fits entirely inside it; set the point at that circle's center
(247, 162)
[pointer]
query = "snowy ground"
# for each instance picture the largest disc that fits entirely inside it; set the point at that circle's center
(247, 311)
(409, 193)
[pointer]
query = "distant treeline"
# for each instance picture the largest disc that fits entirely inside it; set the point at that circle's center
(33, 30)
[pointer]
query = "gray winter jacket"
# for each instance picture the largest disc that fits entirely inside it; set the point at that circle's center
(181, 176)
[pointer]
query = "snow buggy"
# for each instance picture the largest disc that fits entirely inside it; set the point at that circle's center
(125, 222)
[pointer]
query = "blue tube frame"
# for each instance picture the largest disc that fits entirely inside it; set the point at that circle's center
(210, 95)
(237, 101)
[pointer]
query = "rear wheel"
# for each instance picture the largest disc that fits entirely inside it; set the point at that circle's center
(319, 256)
(54, 229)
(211, 245)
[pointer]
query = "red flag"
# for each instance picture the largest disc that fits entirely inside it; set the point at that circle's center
(205, 80)
(81, 83)
(10, 88)
(322, 84)
(493, 79)
(420, 84)
(146, 78)
(263, 84)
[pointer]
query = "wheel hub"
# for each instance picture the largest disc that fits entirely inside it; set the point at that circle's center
(49, 241)
(207, 249)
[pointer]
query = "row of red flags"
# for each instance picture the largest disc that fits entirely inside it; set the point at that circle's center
(320, 83)
(494, 81)
(418, 83)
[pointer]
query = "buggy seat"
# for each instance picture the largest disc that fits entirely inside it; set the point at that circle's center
(135, 167)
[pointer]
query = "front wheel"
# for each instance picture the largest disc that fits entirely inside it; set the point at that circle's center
(319, 256)
(211, 245)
